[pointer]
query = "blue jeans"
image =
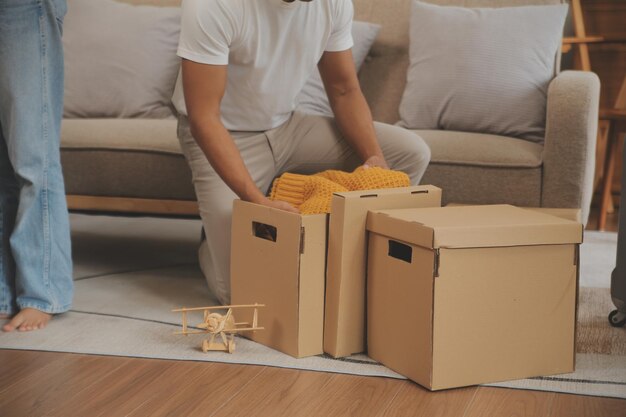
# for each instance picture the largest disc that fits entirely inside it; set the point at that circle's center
(35, 249)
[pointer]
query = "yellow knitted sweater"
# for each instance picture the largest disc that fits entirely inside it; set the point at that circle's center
(312, 194)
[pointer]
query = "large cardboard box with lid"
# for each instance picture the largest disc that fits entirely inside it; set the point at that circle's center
(344, 321)
(278, 259)
(474, 294)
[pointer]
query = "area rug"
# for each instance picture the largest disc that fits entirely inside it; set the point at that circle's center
(130, 272)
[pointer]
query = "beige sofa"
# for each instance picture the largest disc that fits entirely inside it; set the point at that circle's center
(135, 165)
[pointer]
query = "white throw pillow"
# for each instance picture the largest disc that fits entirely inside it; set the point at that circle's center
(312, 99)
(481, 70)
(120, 59)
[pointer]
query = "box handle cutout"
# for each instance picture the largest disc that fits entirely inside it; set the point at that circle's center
(400, 251)
(369, 195)
(264, 231)
(419, 192)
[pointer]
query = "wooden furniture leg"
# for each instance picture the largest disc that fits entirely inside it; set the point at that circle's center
(582, 62)
(582, 52)
(607, 178)
(615, 131)
(603, 133)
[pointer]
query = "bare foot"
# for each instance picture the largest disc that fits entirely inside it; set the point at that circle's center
(26, 320)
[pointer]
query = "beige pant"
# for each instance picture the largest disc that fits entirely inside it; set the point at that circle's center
(305, 144)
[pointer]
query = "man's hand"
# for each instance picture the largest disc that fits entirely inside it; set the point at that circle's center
(375, 161)
(277, 204)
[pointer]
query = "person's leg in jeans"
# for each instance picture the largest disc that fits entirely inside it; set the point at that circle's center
(8, 209)
(310, 144)
(31, 107)
(215, 200)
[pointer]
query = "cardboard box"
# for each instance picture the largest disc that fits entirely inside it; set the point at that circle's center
(278, 259)
(573, 214)
(467, 295)
(344, 321)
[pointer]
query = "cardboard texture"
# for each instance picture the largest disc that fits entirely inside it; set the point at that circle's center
(278, 259)
(455, 301)
(573, 214)
(344, 321)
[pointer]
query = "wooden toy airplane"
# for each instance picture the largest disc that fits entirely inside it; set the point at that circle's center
(220, 325)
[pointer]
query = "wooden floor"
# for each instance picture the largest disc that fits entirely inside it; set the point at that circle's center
(66, 385)
(38, 384)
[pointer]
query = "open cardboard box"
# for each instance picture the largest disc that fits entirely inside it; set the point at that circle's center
(344, 321)
(467, 295)
(278, 259)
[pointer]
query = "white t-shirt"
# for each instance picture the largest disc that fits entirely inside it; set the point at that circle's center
(271, 48)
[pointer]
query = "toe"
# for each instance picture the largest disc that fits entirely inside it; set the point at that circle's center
(27, 326)
(27, 320)
(15, 323)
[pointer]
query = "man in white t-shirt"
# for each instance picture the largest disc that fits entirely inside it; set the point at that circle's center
(244, 64)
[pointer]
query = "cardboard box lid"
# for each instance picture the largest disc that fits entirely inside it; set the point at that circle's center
(573, 214)
(474, 226)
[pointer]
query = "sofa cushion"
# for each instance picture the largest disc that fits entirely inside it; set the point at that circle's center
(313, 99)
(481, 70)
(474, 168)
(128, 71)
(470, 184)
(384, 74)
(145, 135)
(482, 150)
(124, 158)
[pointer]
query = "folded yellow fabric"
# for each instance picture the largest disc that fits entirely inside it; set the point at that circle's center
(312, 194)
(367, 178)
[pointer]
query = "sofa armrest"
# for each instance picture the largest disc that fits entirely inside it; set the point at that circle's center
(570, 143)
